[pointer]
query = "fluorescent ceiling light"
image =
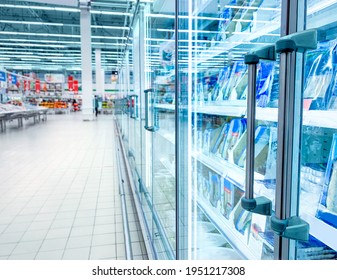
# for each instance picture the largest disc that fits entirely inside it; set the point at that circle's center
(4, 58)
(252, 8)
(31, 22)
(110, 13)
(44, 8)
(62, 24)
(59, 35)
(33, 45)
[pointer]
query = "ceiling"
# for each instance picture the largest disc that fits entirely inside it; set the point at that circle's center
(46, 37)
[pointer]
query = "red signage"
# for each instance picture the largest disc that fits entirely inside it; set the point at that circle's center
(25, 85)
(70, 83)
(37, 86)
(75, 86)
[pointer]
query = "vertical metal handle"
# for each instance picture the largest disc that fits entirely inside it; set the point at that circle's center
(148, 98)
(259, 205)
(282, 223)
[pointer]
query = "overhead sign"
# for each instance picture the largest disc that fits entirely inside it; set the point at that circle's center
(12, 79)
(3, 76)
(54, 78)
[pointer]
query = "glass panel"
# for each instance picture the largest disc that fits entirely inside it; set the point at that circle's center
(318, 181)
(213, 39)
(159, 70)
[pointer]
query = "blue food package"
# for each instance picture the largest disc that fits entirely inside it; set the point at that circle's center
(215, 189)
(233, 89)
(327, 209)
(222, 79)
(221, 138)
(236, 128)
(264, 83)
(226, 16)
(320, 72)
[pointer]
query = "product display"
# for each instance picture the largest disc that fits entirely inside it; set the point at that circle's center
(196, 158)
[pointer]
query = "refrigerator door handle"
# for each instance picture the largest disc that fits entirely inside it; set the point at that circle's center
(292, 227)
(148, 97)
(259, 205)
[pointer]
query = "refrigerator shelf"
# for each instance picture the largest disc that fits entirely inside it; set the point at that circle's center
(237, 241)
(322, 231)
(235, 174)
(237, 40)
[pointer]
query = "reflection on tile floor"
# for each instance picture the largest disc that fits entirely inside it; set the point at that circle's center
(59, 194)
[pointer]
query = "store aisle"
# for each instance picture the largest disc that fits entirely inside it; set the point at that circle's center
(59, 195)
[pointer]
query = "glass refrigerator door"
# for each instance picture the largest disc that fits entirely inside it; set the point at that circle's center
(214, 37)
(160, 124)
(318, 168)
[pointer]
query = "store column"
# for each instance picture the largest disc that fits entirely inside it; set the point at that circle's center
(85, 22)
(99, 74)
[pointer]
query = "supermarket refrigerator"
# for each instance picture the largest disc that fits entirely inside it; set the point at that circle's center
(238, 129)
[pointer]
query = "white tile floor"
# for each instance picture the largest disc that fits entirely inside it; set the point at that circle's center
(59, 194)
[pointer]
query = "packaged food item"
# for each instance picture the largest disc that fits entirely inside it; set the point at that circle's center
(327, 210)
(211, 134)
(215, 189)
(221, 138)
(320, 72)
(236, 129)
(231, 196)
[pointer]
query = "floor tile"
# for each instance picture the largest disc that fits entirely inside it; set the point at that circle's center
(27, 247)
(79, 242)
(53, 244)
(103, 252)
(58, 233)
(77, 254)
(104, 239)
(64, 205)
(50, 255)
(7, 249)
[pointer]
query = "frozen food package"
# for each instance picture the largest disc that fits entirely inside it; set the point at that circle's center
(215, 189)
(222, 80)
(264, 83)
(231, 195)
(226, 16)
(316, 145)
(238, 156)
(236, 128)
(238, 70)
(270, 172)
(327, 210)
(320, 69)
(211, 135)
(221, 138)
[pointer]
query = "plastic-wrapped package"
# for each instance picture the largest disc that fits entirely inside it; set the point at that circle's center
(231, 91)
(236, 128)
(264, 83)
(242, 17)
(222, 80)
(327, 210)
(320, 72)
(226, 15)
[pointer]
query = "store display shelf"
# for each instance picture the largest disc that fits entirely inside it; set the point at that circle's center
(322, 231)
(227, 109)
(235, 174)
(169, 107)
(325, 119)
(237, 40)
(319, 118)
(237, 241)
